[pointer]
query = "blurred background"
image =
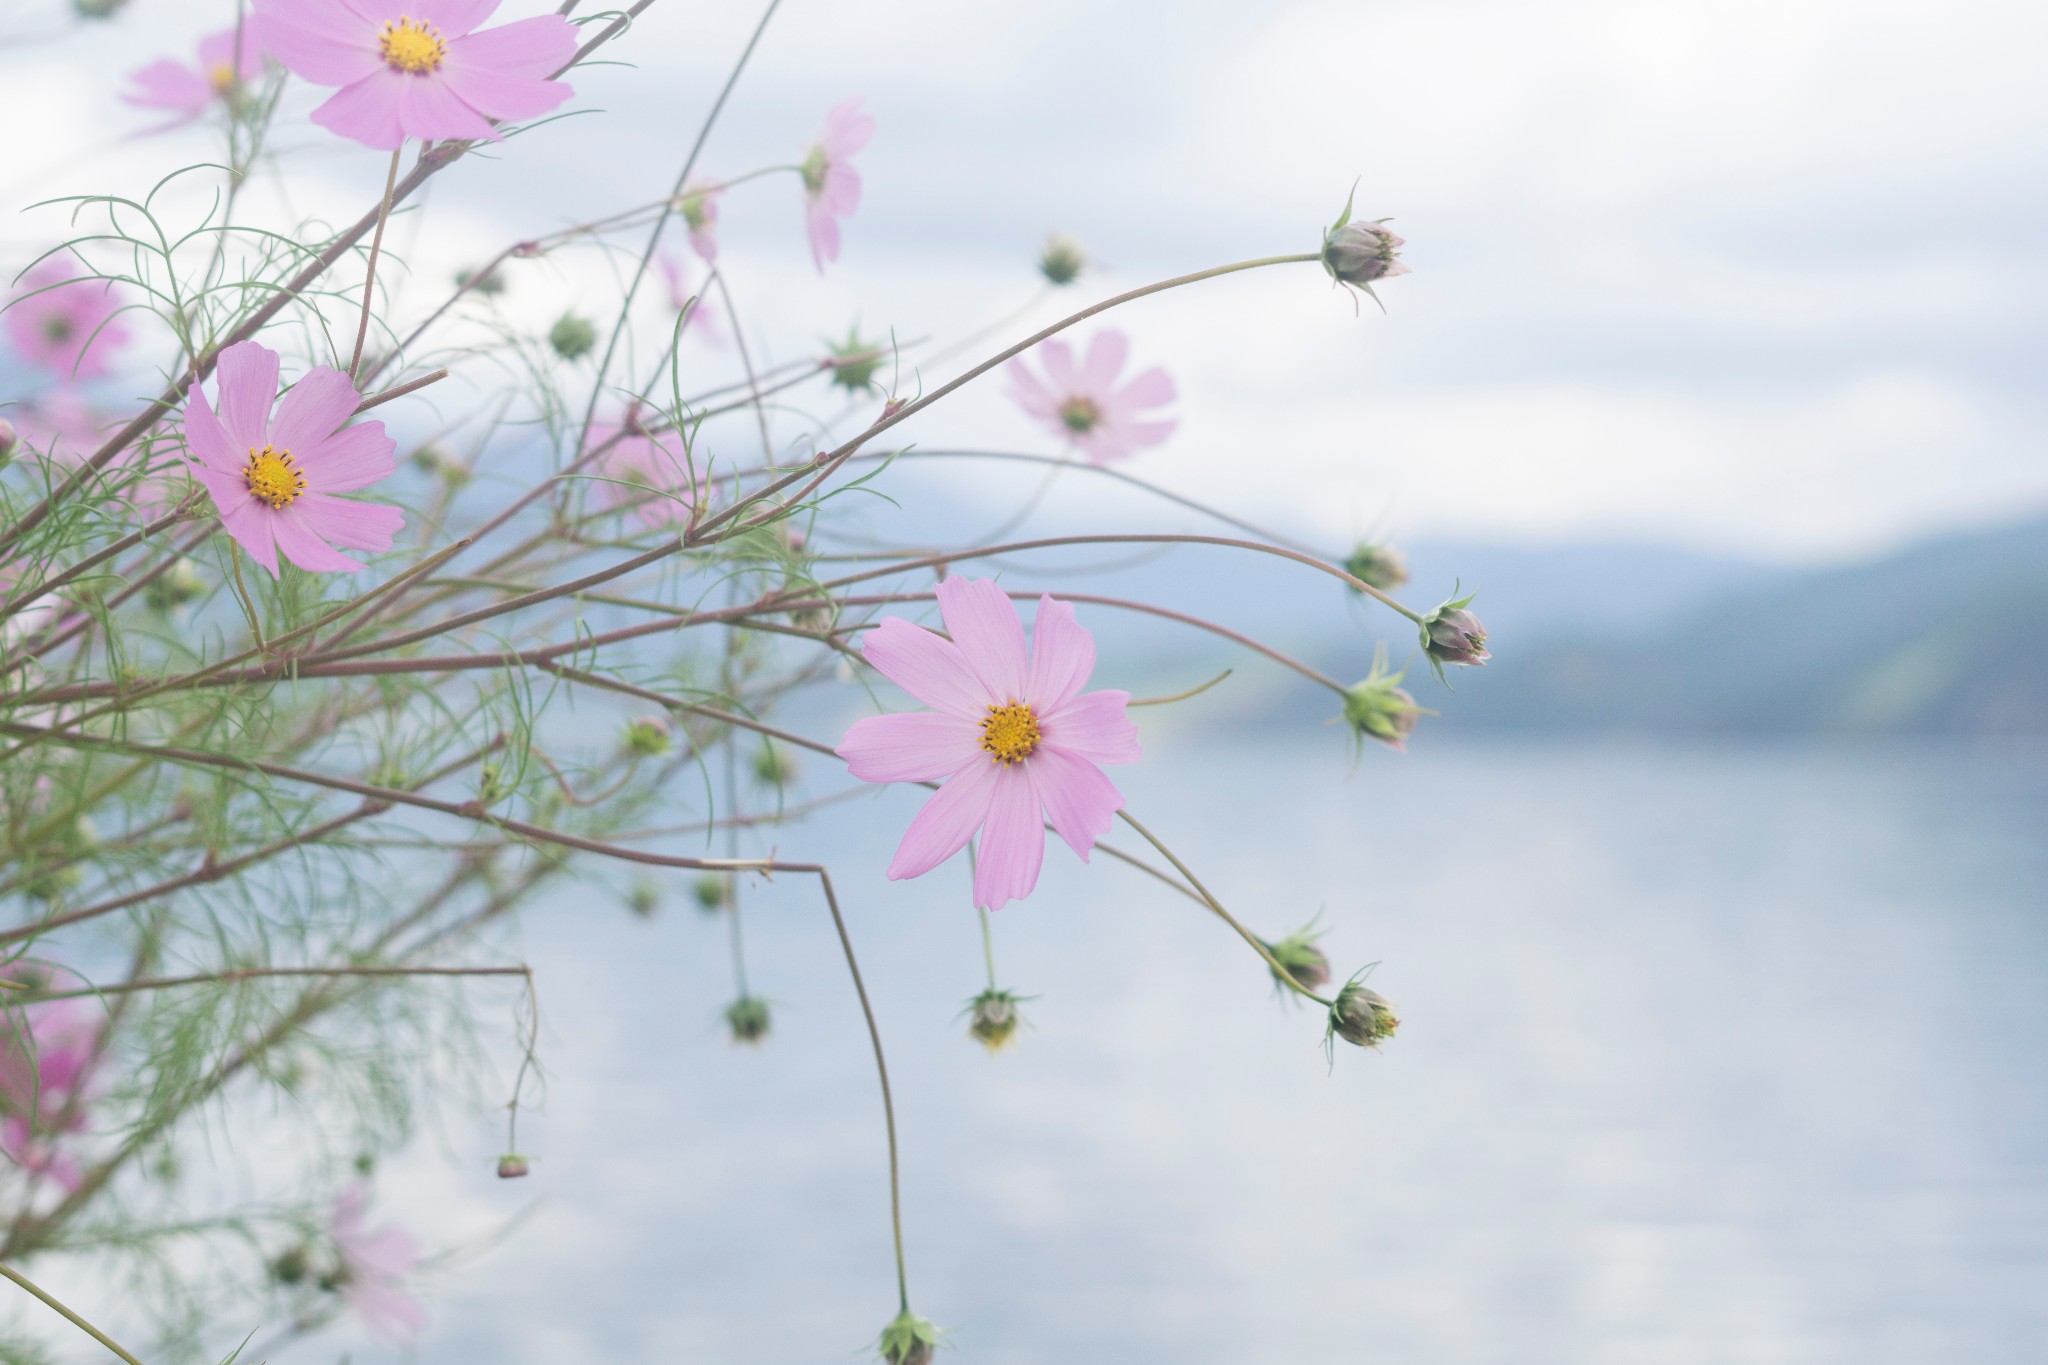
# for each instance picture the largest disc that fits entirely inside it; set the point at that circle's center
(1713, 906)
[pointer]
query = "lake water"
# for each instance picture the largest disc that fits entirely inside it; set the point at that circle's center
(1710, 1054)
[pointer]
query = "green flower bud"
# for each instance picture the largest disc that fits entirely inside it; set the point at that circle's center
(1379, 708)
(1358, 253)
(291, 1266)
(1382, 566)
(644, 898)
(432, 459)
(1361, 1016)
(855, 363)
(1452, 635)
(1302, 955)
(489, 283)
(174, 587)
(993, 1017)
(648, 737)
(512, 1166)
(572, 337)
(774, 765)
(1062, 261)
(713, 891)
(908, 1340)
(747, 1017)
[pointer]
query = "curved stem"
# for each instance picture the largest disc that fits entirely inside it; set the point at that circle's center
(76, 1321)
(355, 363)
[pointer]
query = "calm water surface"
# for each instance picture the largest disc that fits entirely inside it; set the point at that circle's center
(1710, 1055)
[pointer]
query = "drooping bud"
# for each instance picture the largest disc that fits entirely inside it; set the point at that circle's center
(747, 1017)
(774, 765)
(1362, 1016)
(572, 337)
(1379, 708)
(993, 1017)
(647, 737)
(291, 1266)
(713, 891)
(1062, 261)
(854, 362)
(490, 283)
(643, 898)
(1302, 955)
(1382, 566)
(908, 1340)
(512, 1166)
(174, 587)
(1358, 253)
(1452, 635)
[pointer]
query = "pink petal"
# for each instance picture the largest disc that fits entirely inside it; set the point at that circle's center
(429, 109)
(1093, 726)
(169, 85)
(304, 547)
(533, 48)
(947, 821)
(928, 668)
(253, 526)
(1102, 445)
(823, 230)
(453, 17)
(917, 746)
(355, 525)
(1062, 657)
(207, 441)
(1012, 846)
(847, 129)
(983, 623)
(1078, 796)
(1059, 366)
(314, 407)
(354, 457)
(324, 44)
(842, 190)
(248, 385)
(367, 111)
(1134, 434)
(218, 49)
(1106, 356)
(1031, 395)
(230, 492)
(1148, 390)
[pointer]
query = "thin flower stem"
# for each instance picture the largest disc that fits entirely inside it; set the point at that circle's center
(355, 363)
(1258, 944)
(882, 1072)
(233, 975)
(76, 1321)
(988, 942)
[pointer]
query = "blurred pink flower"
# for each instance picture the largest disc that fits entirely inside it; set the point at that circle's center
(704, 319)
(63, 426)
(416, 68)
(273, 479)
(47, 1053)
(1085, 405)
(641, 461)
(699, 204)
(374, 1267)
(188, 91)
(831, 185)
(1013, 739)
(71, 326)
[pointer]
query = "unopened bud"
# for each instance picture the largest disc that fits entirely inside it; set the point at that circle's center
(511, 1167)
(291, 1266)
(855, 362)
(1062, 261)
(774, 766)
(1452, 635)
(1381, 566)
(1379, 708)
(432, 459)
(713, 891)
(1302, 957)
(993, 1017)
(644, 898)
(908, 1340)
(490, 283)
(572, 337)
(174, 587)
(1358, 253)
(747, 1017)
(648, 737)
(1362, 1016)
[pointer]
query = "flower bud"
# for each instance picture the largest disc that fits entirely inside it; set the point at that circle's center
(1062, 261)
(774, 765)
(643, 898)
(511, 1166)
(490, 283)
(1379, 708)
(713, 891)
(1358, 253)
(993, 1018)
(1362, 1016)
(572, 337)
(647, 737)
(908, 1340)
(1302, 956)
(1382, 566)
(1452, 635)
(854, 363)
(174, 587)
(432, 459)
(747, 1017)
(291, 1266)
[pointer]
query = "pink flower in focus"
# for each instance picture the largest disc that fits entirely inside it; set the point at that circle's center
(273, 479)
(638, 462)
(1085, 405)
(374, 1267)
(188, 91)
(831, 184)
(415, 68)
(46, 1057)
(703, 319)
(70, 326)
(1014, 740)
(699, 205)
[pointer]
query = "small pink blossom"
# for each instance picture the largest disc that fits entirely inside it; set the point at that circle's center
(1085, 405)
(47, 1053)
(274, 478)
(188, 91)
(65, 322)
(703, 319)
(64, 427)
(418, 68)
(699, 205)
(831, 184)
(1012, 738)
(643, 462)
(374, 1268)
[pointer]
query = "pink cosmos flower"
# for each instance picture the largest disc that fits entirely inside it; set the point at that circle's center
(831, 184)
(704, 319)
(188, 91)
(47, 1053)
(699, 204)
(417, 68)
(1013, 740)
(71, 326)
(640, 462)
(273, 478)
(1085, 406)
(64, 427)
(374, 1267)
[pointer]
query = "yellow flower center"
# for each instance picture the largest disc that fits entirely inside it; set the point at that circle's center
(221, 78)
(1010, 733)
(273, 478)
(1080, 415)
(410, 45)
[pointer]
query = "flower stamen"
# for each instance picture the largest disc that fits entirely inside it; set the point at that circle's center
(273, 477)
(221, 77)
(1080, 415)
(411, 46)
(1010, 734)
